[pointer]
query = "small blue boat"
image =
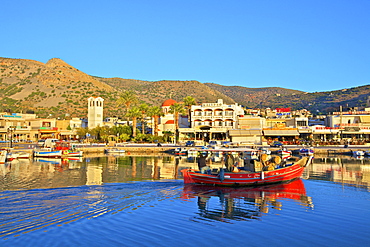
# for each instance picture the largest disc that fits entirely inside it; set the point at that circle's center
(306, 151)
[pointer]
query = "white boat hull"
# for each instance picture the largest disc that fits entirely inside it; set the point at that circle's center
(3, 154)
(48, 154)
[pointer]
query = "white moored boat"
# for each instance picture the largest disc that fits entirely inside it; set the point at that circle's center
(3, 154)
(114, 151)
(48, 153)
(11, 156)
(23, 155)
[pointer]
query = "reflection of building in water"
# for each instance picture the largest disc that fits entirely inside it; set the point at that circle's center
(165, 168)
(127, 167)
(94, 175)
(343, 170)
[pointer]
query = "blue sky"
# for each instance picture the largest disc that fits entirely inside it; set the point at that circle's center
(307, 45)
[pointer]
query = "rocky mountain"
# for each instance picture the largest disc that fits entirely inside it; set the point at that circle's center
(57, 89)
(317, 103)
(252, 97)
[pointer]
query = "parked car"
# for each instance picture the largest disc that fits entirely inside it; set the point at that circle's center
(190, 144)
(214, 143)
(276, 144)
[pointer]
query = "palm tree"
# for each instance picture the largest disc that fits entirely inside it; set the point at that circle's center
(188, 102)
(143, 109)
(155, 112)
(176, 109)
(127, 99)
(134, 113)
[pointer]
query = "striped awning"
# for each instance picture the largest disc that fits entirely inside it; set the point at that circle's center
(65, 133)
(365, 119)
(245, 132)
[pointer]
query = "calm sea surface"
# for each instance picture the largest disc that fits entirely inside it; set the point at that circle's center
(142, 201)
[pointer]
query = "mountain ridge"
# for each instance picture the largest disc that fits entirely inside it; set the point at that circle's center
(57, 89)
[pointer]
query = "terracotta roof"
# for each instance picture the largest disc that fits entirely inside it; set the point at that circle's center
(170, 122)
(169, 102)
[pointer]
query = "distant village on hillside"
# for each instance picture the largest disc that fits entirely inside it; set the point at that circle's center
(206, 121)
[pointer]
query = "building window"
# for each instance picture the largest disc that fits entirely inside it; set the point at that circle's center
(209, 123)
(301, 123)
(229, 113)
(218, 123)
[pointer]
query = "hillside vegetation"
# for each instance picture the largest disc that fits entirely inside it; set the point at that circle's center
(57, 89)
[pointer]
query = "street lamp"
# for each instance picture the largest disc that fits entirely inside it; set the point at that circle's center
(10, 135)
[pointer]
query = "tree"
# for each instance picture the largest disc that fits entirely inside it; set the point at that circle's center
(176, 109)
(82, 132)
(100, 133)
(123, 133)
(121, 129)
(134, 113)
(155, 112)
(188, 102)
(143, 109)
(127, 99)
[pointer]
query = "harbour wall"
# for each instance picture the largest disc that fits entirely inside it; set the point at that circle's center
(170, 149)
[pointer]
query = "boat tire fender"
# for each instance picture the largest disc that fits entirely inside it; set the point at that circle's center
(221, 175)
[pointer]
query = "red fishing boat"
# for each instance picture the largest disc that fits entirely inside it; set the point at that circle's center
(263, 172)
(67, 149)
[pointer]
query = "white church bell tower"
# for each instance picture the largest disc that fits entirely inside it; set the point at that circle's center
(95, 112)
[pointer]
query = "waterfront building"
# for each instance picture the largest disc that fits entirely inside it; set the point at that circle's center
(95, 112)
(253, 112)
(216, 115)
(213, 120)
(15, 126)
(42, 128)
(26, 127)
(352, 126)
(249, 130)
(67, 129)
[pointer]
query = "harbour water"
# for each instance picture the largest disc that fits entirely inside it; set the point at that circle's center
(142, 201)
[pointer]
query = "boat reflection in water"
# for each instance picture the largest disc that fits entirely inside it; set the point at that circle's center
(245, 203)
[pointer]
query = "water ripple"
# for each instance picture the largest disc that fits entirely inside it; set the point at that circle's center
(25, 211)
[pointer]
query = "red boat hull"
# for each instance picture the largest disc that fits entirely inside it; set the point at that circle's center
(245, 178)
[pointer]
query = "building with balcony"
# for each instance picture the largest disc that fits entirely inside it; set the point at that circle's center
(216, 115)
(212, 121)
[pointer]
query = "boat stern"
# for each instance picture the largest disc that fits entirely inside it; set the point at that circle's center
(187, 177)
